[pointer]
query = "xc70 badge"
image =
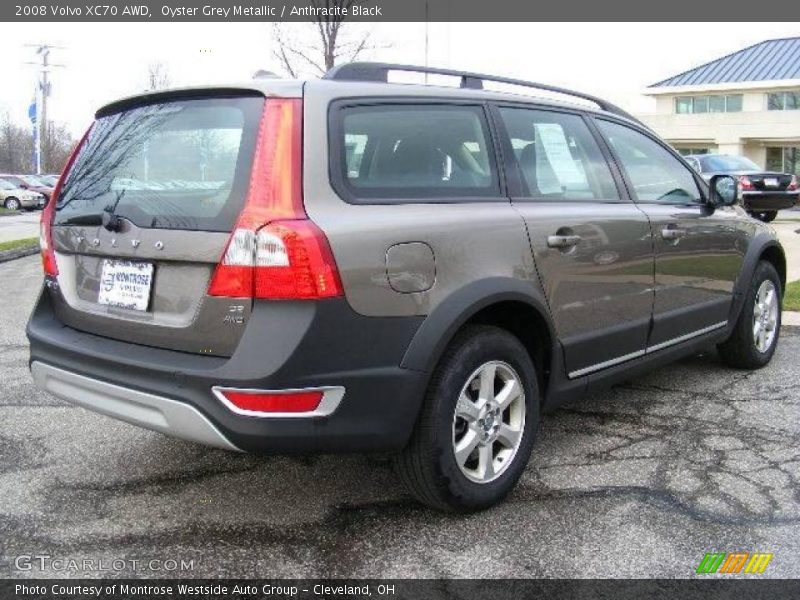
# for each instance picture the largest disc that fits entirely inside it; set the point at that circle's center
(235, 315)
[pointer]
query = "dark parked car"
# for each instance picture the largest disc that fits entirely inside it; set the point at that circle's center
(351, 265)
(30, 182)
(763, 193)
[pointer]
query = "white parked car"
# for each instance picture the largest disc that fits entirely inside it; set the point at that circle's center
(14, 198)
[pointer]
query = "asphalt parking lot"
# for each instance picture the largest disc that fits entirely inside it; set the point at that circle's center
(640, 481)
(23, 225)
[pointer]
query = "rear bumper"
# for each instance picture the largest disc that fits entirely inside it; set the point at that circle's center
(132, 406)
(287, 345)
(769, 200)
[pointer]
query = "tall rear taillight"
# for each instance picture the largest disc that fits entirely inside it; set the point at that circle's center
(792, 184)
(293, 260)
(745, 184)
(48, 214)
(275, 251)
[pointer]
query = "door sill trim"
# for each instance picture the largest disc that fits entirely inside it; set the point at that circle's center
(606, 364)
(688, 336)
(649, 350)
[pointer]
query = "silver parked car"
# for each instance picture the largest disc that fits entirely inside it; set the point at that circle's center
(15, 198)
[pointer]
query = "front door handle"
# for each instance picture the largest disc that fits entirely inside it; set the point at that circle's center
(563, 241)
(669, 233)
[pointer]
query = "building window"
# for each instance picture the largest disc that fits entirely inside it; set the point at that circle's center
(716, 104)
(783, 101)
(733, 103)
(784, 160)
(700, 104)
(683, 151)
(686, 105)
(683, 106)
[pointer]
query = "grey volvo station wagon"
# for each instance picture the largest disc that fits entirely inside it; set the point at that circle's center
(353, 265)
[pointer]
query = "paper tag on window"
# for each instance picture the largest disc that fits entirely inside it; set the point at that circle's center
(556, 148)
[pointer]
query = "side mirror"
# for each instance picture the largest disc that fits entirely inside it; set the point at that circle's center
(724, 190)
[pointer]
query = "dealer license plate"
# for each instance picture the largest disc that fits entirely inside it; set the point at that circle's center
(771, 181)
(126, 284)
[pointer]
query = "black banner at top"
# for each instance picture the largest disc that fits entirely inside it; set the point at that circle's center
(712, 11)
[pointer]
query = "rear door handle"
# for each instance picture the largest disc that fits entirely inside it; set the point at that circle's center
(563, 241)
(672, 233)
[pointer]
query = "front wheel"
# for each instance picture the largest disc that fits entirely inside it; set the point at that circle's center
(766, 216)
(755, 335)
(12, 203)
(478, 423)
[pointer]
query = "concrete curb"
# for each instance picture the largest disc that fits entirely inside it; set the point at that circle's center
(18, 253)
(790, 318)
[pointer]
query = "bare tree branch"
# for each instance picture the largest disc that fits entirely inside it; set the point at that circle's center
(322, 42)
(157, 76)
(280, 52)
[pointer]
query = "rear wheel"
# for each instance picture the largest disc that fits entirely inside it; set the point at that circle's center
(478, 423)
(12, 203)
(756, 333)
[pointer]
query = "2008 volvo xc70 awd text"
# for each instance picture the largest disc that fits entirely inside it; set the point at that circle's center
(348, 264)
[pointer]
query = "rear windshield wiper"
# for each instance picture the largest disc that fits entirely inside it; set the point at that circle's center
(91, 219)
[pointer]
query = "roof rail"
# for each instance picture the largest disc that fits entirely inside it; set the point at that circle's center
(379, 72)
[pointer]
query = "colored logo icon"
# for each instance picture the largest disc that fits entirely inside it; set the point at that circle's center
(733, 563)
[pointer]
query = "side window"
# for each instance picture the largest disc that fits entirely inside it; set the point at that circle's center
(557, 156)
(656, 175)
(412, 152)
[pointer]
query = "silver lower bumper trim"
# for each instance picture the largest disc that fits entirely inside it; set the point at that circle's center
(138, 408)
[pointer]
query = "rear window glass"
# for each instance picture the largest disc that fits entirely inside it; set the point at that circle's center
(407, 152)
(173, 165)
(728, 163)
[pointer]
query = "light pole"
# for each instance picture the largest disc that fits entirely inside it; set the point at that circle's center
(42, 94)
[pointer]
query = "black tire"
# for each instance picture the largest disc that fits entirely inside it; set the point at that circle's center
(766, 216)
(740, 350)
(427, 466)
(12, 203)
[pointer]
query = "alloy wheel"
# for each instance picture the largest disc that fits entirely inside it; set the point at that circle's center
(765, 316)
(489, 421)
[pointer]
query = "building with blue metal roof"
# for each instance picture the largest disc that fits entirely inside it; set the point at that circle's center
(747, 103)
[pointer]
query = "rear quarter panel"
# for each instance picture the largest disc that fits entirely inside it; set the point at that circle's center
(470, 240)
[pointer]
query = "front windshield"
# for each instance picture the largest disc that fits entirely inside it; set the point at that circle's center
(722, 162)
(31, 180)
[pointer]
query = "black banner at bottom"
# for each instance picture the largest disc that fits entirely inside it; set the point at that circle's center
(400, 589)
